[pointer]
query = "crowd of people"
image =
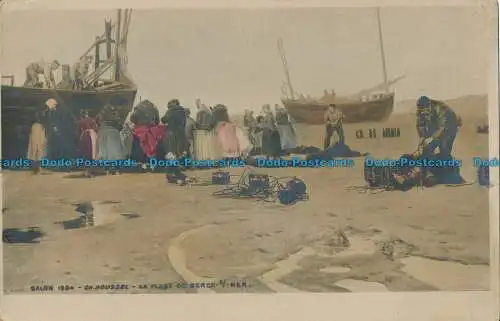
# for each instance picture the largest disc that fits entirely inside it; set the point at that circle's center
(210, 134)
(271, 134)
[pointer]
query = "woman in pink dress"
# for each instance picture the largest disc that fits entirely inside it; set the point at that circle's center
(233, 143)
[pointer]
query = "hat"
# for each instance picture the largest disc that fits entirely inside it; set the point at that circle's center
(173, 102)
(220, 107)
(423, 102)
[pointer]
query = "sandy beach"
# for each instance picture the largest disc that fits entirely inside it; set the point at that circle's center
(425, 239)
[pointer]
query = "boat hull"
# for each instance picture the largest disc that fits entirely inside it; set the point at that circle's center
(19, 105)
(375, 110)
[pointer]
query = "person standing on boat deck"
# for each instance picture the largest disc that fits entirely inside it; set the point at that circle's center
(205, 147)
(41, 68)
(110, 145)
(288, 136)
(175, 118)
(271, 142)
(59, 128)
(190, 128)
(333, 124)
(37, 146)
(66, 82)
(81, 69)
(437, 126)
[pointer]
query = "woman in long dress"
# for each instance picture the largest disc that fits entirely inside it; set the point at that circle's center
(147, 133)
(257, 133)
(87, 131)
(109, 142)
(175, 142)
(271, 144)
(205, 144)
(37, 146)
(233, 143)
(286, 130)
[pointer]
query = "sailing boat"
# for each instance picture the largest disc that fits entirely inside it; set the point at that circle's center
(107, 82)
(372, 104)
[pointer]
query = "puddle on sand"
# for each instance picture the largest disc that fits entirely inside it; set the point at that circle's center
(96, 213)
(358, 246)
(442, 275)
(361, 286)
(448, 276)
(28, 235)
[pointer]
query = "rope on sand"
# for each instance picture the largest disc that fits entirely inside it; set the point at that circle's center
(368, 189)
(265, 188)
(460, 184)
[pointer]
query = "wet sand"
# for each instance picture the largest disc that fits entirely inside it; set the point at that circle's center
(398, 241)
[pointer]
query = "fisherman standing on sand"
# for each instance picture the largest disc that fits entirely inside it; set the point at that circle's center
(41, 68)
(333, 123)
(437, 126)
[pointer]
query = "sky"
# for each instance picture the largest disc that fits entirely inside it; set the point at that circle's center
(230, 56)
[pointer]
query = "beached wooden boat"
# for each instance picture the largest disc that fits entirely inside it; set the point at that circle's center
(377, 109)
(373, 104)
(107, 82)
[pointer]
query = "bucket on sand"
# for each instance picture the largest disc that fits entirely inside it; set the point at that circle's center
(221, 178)
(379, 176)
(258, 182)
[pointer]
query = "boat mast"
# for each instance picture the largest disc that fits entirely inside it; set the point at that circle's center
(117, 45)
(281, 51)
(382, 52)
